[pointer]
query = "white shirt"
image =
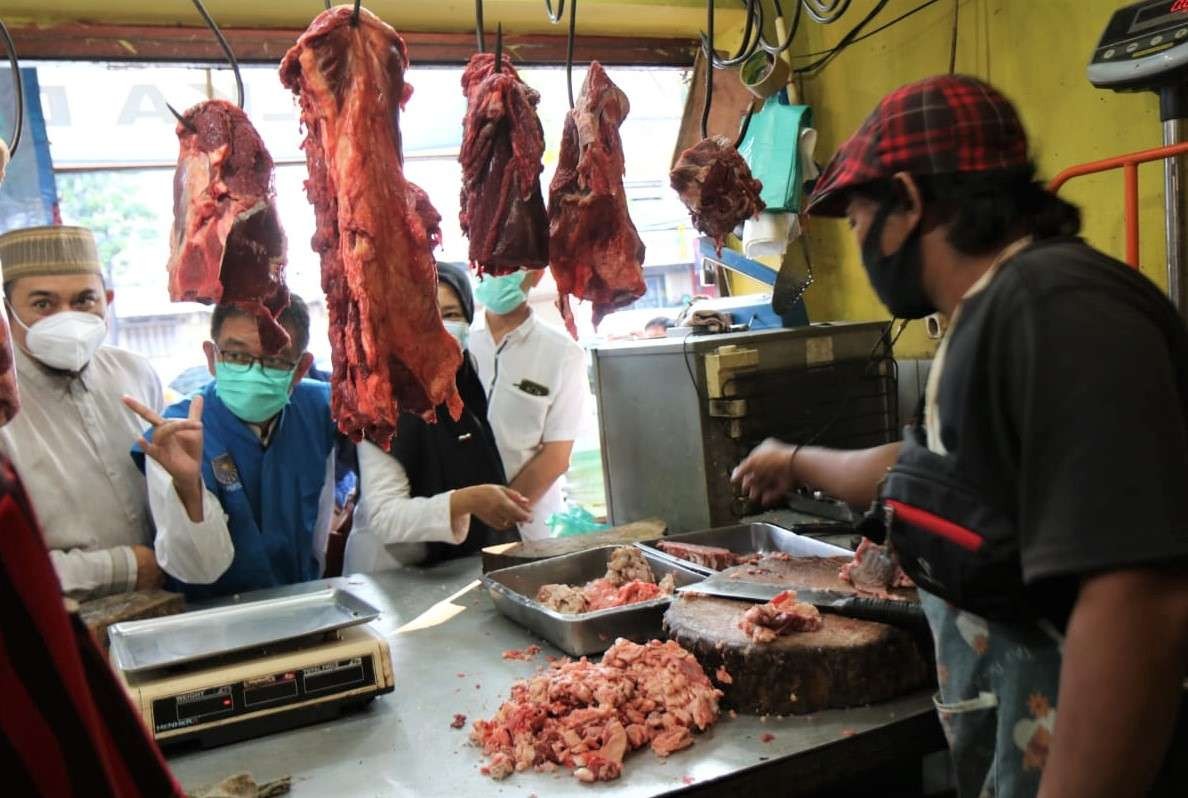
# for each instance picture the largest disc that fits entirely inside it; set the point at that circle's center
(532, 358)
(71, 445)
(199, 553)
(391, 527)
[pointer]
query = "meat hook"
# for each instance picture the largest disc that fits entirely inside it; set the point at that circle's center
(569, 48)
(478, 26)
(499, 47)
(188, 125)
(226, 49)
(18, 88)
(707, 46)
(555, 18)
(328, 5)
(355, 14)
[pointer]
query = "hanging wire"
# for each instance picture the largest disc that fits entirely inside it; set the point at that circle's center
(226, 49)
(953, 46)
(826, 11)
(479, 35)
(848, 39)
(555, 18)
(707, 44)
(569, 50)
(18, 89)
(355, 14)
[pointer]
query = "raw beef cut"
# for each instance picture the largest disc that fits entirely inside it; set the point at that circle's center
(628, 580)
(10, 398)
(783, 615)
(874, 569)
(595, 252)
(374, 229)
(716, 186)
(227, 244)
(501, 209)
(714, 557)
(587, 716)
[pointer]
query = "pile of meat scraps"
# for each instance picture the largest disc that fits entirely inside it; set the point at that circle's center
(502, 211)
(717, 187)
(714, 557)
(227, 244)
(375, 230)
(587, 716)
(629, 580)
(783, 615)
(595, 252)
(874, 570)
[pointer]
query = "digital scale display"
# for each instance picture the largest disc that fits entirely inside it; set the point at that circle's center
(262, 692)
(1144, 45)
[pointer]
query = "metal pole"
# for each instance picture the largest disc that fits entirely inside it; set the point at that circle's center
(1176, 215)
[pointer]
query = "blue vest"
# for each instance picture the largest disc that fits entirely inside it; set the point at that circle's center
(270, 494)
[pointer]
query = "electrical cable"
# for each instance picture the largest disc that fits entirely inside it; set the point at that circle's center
(877, 30)
(826, 11)
(845, 42)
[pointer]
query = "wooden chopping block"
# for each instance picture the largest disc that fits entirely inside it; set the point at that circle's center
(101, 613)
(847, 663)
(509, 554)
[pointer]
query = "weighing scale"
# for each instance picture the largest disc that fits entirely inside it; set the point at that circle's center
(231, 673)
(1145, 48)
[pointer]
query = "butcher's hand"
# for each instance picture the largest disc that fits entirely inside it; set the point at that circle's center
(767, 474)
(177, 447)
(495, 505)
(149, 575)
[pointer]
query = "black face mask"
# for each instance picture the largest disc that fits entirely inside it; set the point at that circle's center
(897, 278)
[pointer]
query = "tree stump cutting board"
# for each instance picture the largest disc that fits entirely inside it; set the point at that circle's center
(846, 663)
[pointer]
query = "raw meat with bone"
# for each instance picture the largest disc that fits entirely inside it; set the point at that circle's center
(717, 187)
(501, 209)
(587, 716)
(595, 252)
(391, 352)
(227, 245)
(10, 397)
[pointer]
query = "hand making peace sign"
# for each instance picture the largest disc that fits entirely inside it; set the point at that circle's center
(176, 443)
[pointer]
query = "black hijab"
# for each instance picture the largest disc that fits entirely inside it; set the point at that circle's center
(454, 454)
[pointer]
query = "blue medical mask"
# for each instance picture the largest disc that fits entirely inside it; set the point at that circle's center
(253, 394)
(460, 330)
(501, 295)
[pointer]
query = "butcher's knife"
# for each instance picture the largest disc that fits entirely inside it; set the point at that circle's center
(867, 608)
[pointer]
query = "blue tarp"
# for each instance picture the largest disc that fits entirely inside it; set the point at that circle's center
(28, 196)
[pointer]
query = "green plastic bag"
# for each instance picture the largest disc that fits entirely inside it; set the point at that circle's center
(771, 148)
(577, 520)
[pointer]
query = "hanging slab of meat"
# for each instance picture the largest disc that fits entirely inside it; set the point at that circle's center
(501, 209)
(227, 244)
(10, 398)
(716, 186)
(595, 252)
(843, 663)
(374, 229)
(588, 716)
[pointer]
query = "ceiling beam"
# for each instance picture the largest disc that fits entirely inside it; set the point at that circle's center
(88, 42)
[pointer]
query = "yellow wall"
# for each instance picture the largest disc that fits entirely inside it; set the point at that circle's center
(1036, 53)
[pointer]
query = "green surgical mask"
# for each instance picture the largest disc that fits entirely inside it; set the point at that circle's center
(255, 394)
(501, 295)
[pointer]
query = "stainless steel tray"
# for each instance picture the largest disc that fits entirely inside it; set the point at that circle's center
(175, 639)
(747, 539)
(513, 590)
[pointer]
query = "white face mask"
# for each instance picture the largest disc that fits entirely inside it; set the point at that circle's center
(459, 329)
(65, 340)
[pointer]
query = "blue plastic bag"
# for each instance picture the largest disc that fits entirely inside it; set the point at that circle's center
(577, 520)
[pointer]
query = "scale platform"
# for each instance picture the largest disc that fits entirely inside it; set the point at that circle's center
(192, 685)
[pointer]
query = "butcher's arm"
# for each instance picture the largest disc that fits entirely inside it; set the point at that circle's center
(195, 552)
(388, 510)
(1121, 683)
(547, 466)
(91, 574)
(774, 469)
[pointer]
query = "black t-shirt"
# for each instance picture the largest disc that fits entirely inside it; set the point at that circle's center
(1065, 400)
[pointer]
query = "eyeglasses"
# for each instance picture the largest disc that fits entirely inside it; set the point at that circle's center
(242, 361)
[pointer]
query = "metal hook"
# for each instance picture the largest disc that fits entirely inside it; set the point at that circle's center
(555, 18)
(355, 14)
(18, 88)
(226, 49)
(327, 5)
(707, 46)
(569, 50)
(478, 26)
(190, 126)
(499, 48)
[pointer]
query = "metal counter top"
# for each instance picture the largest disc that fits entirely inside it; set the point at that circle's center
(447, 639)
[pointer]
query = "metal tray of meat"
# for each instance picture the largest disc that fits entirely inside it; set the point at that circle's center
(746, 539)
(514, 589)
(190, 636)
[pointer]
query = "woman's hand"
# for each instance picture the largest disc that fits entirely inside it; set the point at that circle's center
(496, 506)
